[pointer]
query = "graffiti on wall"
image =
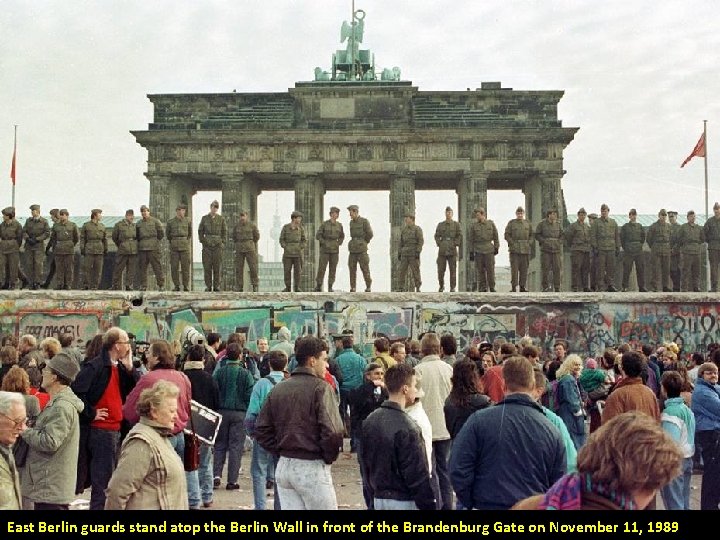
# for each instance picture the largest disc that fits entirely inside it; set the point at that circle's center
(588, 327)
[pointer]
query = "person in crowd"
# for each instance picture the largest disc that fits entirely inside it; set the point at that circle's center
(382, 355)
(532, 450)
(398, 474)
(18, 380)
(35, 377)
(448, 348)
(416, 411)
(352, 367)
(93, 348)
(28, 351)
(49, 347)
(13, 421)
(532, 353)
(204, 390)
(621, 467)
(630, 394)
(150, 474)
(488, 359)
(103, 384)
(596, 383)
(398, 352)
(262, 361)
(8, 359)
(50, 472)
(678, 421)
(570, 399)
(284, 344)
(301, 423)
(436, 377)
(706, 407)
(67, 345)
(466, 396)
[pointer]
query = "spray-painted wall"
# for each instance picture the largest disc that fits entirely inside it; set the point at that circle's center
(588, 324)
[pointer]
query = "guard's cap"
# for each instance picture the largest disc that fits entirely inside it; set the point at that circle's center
(479, 210)
(716, 205)
(64, 211)
(129, 212)
(632, 212)
(34, 207)
(519, 209)
(144, 207)
(9, 211)
(690, 212)
(353, 207)
(334, 209)
(604, 207)
(582, 211)
(662, 212)
(214, 204)
(54, 212)
(592, 216)
(243, 212)
(296, 214)
(181, 206)
(672, 213)
(551, 211)
(96, 211)
(410, 213)
(448, 209)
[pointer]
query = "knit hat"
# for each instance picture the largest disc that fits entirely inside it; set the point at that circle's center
(62, 364)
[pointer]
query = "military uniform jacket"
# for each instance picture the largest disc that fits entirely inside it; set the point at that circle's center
(212, 231)
(549, 236)
(577, 237)
(293, 240)
(149, 233)
(36, 231)
(411, 241)
(691, 239)
(712, 232)
(483, 237)
(360, 235)
(632, 237)
(125, 237)
(63, 238)
(179, 234)
(93, 239)
(658, 238)
(11, 235)
(246, 237)
(448, 237)
(605, 235)
(519, 236)
(674, 235)
(331, 236)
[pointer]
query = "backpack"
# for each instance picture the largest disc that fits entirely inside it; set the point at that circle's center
(550, 398)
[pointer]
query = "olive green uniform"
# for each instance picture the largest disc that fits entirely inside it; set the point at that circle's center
(675, 263)
(691, 239)
(411, 244)
(246, 237)
(658, 238)
(632, 239)
(605, 240)
(35, 231)
(577, 239)
(125, 237)
(519, 237)
(293, 241)
(63, 238)
(549, 236)
(484, 244)
(212, 233)
(11, 235)
(149, 234)
(360, 235)
(93, 248)
(712, 237)
(449, 240)
(179, 234)
(331, 236)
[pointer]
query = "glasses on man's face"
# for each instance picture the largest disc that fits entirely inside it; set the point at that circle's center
(17, 424)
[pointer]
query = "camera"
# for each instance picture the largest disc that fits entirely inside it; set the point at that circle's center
(191, 336)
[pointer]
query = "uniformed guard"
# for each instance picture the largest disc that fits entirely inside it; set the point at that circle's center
(691, 239)
(483, 244)
(93, 248)
(549, 235)
(449, 240)
(212, 234)
(293, 241)
(246, 236)
(658, 238)
(675, 251)
(592, 218)
(605, 240)
(63, 239)
(179, 234)
(149, 234)
(35, 231)
(411, 244)
(520, 238)
(632, 240)
(330, 235)
(360, 235)
(712, 237)
(11, 235)
(124, 236)
(50, 256)
(577, 239)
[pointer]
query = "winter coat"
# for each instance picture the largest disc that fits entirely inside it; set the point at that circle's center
(436, 375)
(570, 407)
(178, 378)
(706, 406)
(10, 492)
(455, 416)
(630, 394)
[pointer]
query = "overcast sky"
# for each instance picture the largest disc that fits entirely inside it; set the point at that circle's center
(639, 78)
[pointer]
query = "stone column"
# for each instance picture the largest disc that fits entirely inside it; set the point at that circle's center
(239, 192)
(309, 193)
(162, 208)
(472, 194)
(402, 199)
(551, 194)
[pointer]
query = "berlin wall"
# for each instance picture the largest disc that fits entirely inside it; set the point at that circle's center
(588, 322)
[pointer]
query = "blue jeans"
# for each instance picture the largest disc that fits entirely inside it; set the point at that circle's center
(230, 442)
(262, 462)
(363, 477)
(305, 484)
(200, 482)
(392, 504)
(103, 447)
(441, 474)
(676, 495)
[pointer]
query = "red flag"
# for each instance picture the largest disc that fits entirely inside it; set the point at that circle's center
(698, 151)
(12, 167)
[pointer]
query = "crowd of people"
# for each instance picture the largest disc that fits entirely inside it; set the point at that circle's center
(496, 426)
(596, 247)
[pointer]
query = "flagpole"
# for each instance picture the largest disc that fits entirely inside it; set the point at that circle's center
(707, 213)
(14, 157)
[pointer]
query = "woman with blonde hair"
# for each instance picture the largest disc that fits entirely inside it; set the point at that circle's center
(49, 347)
(17, 380)
(570, 399)
(150, 475)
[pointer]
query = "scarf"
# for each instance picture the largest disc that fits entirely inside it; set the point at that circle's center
(566, 493)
